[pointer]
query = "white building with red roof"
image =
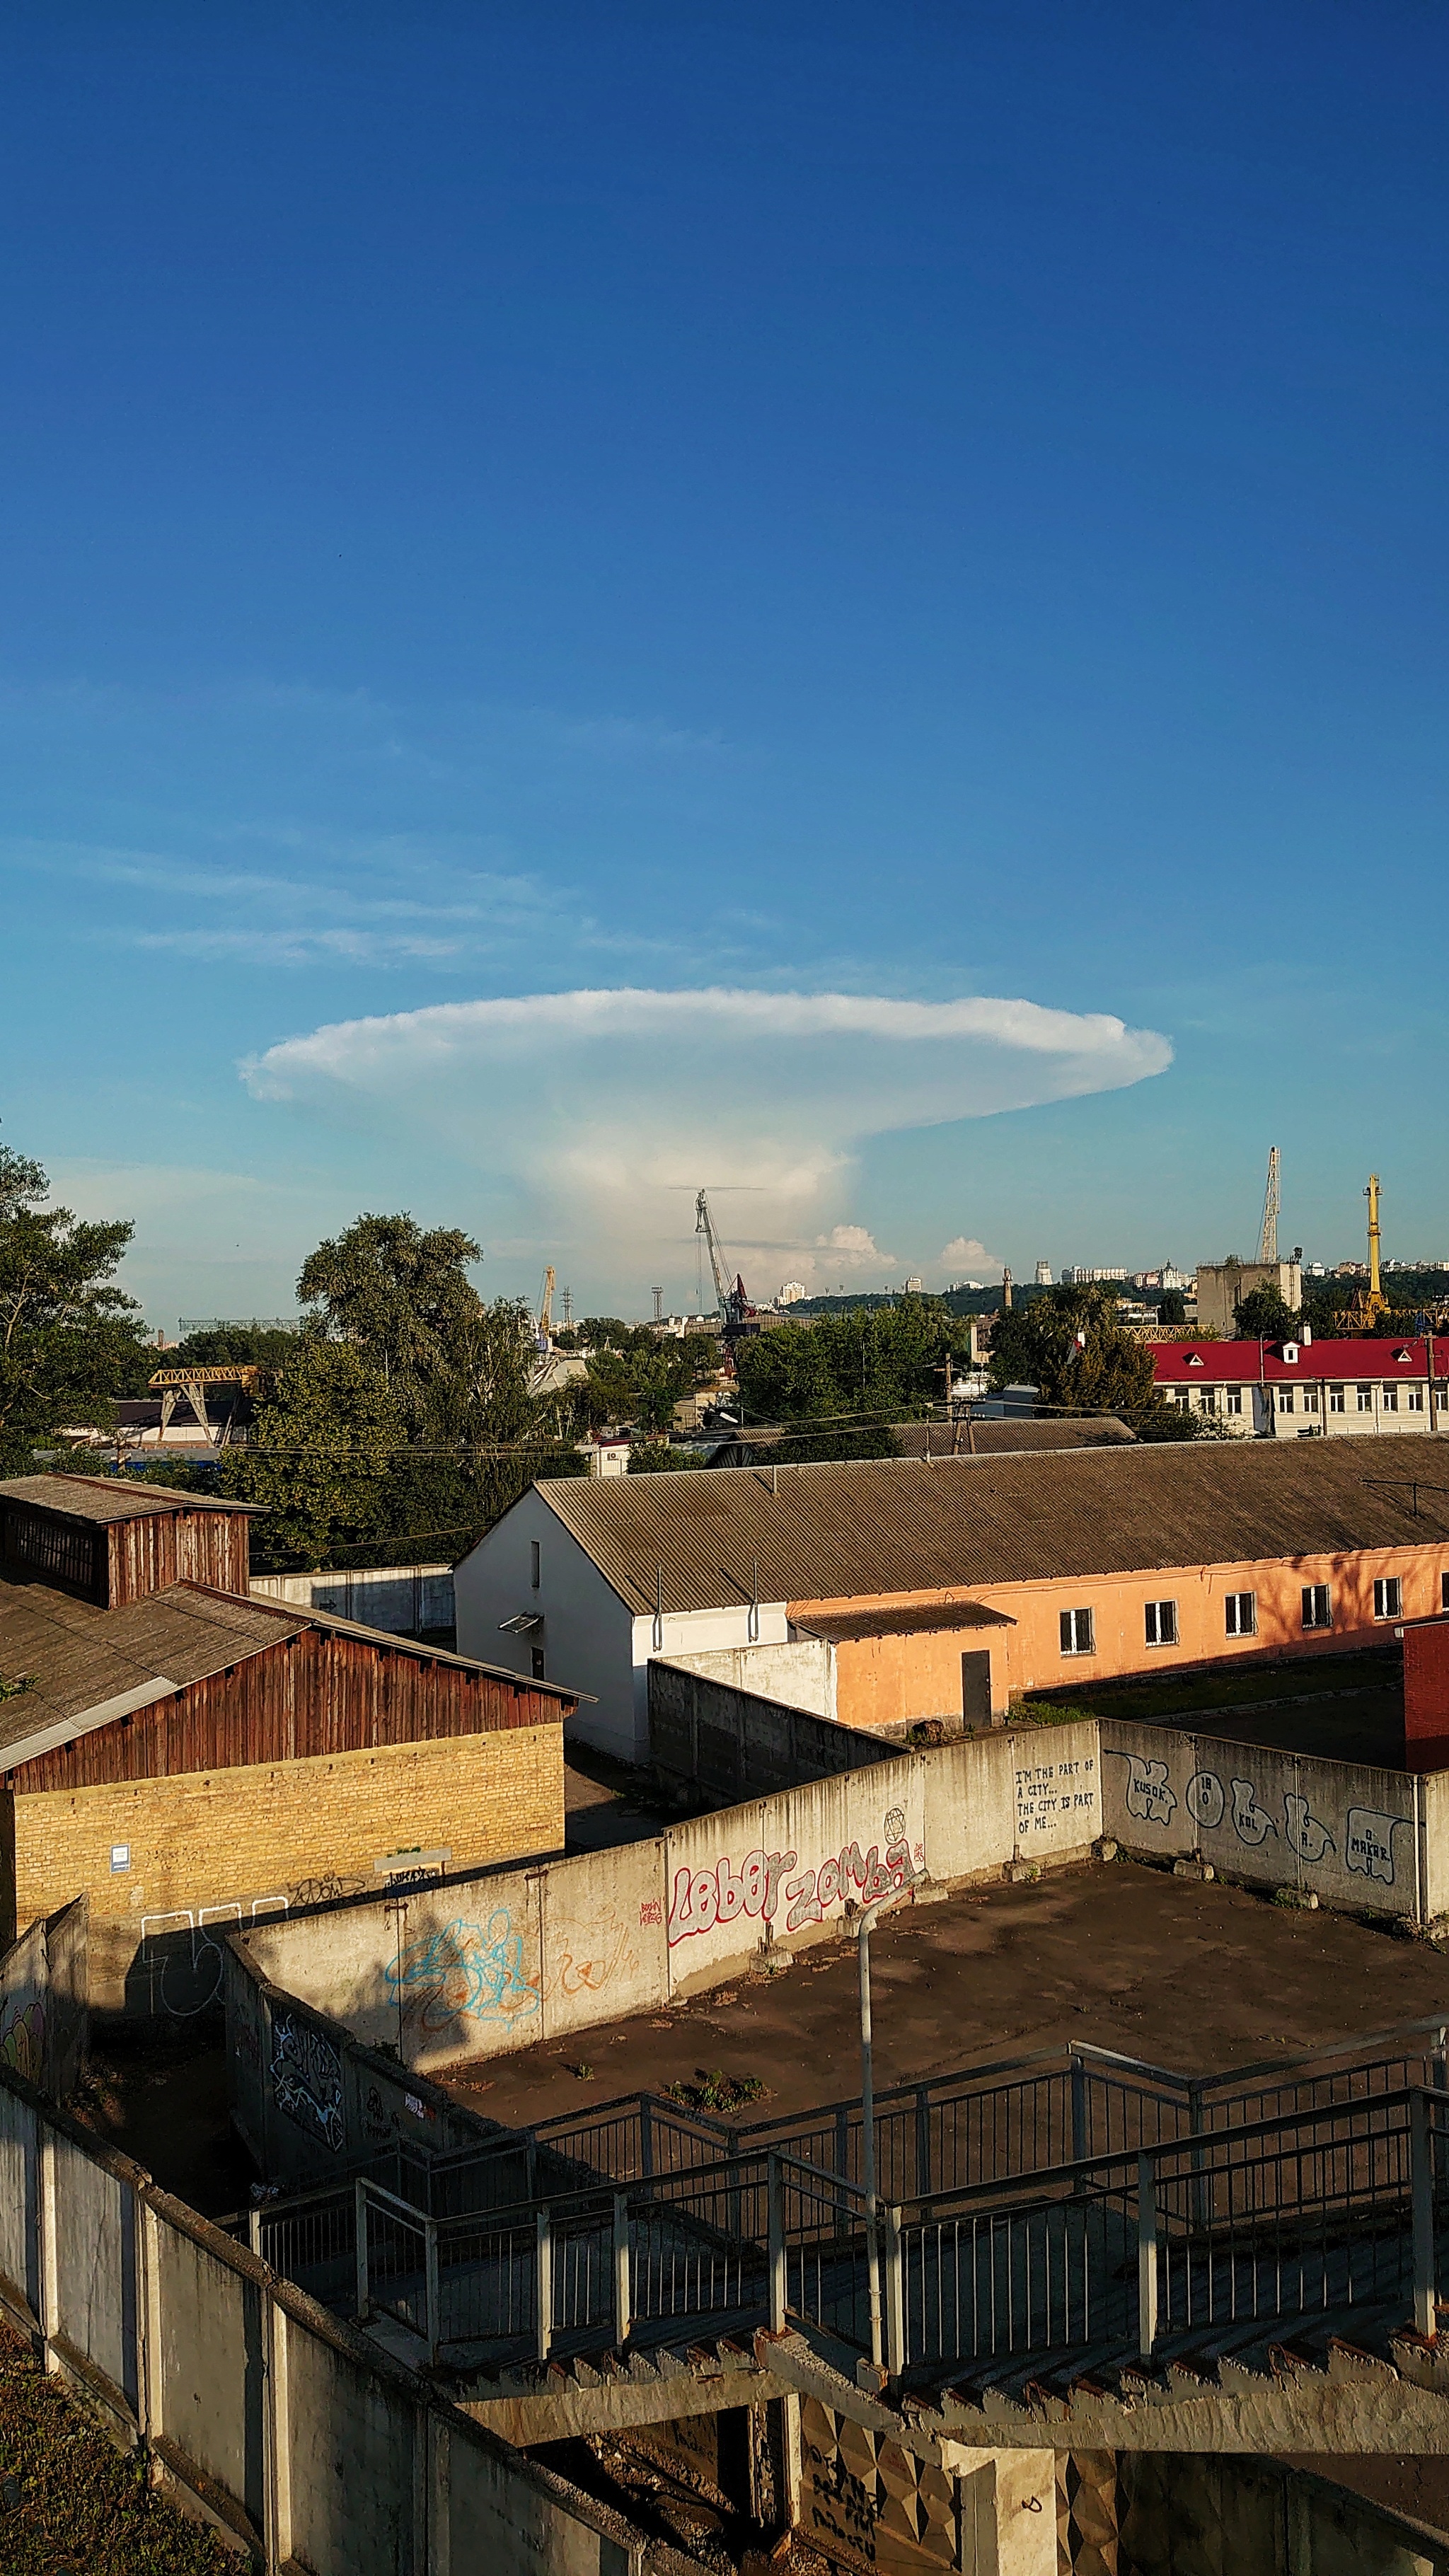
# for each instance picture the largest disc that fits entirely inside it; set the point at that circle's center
(1309, 1390)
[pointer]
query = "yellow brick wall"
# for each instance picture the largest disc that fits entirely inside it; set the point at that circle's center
(222, 1838)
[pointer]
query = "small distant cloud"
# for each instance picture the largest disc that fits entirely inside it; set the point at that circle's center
(965, 1253)
(855, 1248)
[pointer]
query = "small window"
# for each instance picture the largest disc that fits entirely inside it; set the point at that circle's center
(1235, 1399)
(1209, 1399)
(1444, 1591)
(1242, 1614)
(533, 1563)
(1310, 1399)
(1388, 1597)
(1390, 1399)
(1077, 1633)
(1336, 1399)
(1365, 1399)
(1285, 1399)
(535, 1657)
(1413, 1399)
(1317, 1607)
(1161, 1623)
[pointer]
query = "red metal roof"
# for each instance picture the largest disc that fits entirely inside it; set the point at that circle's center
(1245, 1363)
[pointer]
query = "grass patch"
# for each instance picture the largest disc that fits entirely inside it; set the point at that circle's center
(1234, 1688)
(716, 2091)
(70, 2500)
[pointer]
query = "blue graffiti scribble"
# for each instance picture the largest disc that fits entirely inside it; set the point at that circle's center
(465, 1970)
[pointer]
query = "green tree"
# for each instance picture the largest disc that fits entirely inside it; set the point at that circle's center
(1265, 1315)
(401, 1297)
(70, 1339)
(320, 1460)
(841, 1382)
(1070, 1345)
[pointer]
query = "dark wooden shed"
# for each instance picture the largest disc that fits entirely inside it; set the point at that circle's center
(114, 1543)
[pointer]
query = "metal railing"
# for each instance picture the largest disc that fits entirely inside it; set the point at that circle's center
(1327, 2210)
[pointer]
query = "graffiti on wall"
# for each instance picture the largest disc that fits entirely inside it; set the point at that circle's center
(22, 2039)
(1366, 1841)
(465, 1971)
(1052, 1794)
(767, 1885)
(307, 2080)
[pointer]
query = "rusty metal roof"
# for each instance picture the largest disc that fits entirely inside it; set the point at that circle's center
(924, 1619)
(106, 1498)
(986, 1439)
(710, 1536)
(85, 1664)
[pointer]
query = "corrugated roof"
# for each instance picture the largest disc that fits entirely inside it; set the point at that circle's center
(991, 1439)
(891, 1525)
(80, 1657)
(106, 1498)
(842, 1627)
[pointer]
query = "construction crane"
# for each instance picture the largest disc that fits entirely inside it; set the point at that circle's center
(545, 1311)
(1371, 1303)
(732, 1304)
(1268, 1237)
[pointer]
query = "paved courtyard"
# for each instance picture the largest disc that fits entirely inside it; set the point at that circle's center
(1190, 1976)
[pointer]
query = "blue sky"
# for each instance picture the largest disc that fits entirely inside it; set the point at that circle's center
(940, 506)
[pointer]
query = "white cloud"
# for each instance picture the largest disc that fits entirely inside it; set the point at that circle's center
(965, 1253)
(855, 1248)
(602, 1112)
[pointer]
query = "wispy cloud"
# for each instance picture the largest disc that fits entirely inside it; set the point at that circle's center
(605, 1110)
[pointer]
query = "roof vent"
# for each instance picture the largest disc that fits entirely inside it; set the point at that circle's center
(1290, 1353)
(1194, 1359)
(1404, 1359)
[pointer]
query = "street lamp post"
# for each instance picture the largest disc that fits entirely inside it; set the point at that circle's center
(863, 1927)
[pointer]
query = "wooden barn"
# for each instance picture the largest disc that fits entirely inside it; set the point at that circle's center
(193, 1758)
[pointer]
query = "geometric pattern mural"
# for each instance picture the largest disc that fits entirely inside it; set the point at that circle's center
(866, 2504)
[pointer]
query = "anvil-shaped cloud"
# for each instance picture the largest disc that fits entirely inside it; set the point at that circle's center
(614, 1102)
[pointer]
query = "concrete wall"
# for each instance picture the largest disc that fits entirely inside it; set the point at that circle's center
(1356, 1837)
(403, 1600)
(709, 1733)
(799, 1674)
(43, 2001)
(295, 2436)
(483, 1966)
(206, 1851)
(1184, 2513)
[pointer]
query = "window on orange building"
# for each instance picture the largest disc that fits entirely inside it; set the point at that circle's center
(1160, 1623)
(1078, 1634)
(1388, 1597)
(1317, 1606)
(1241, 1614)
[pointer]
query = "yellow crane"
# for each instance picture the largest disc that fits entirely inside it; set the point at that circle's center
(545, 1311)
(1371, 1303)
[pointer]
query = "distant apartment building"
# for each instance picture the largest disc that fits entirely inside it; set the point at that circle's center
(1091, 1278)
(1308, 1390)
(1043, 1274)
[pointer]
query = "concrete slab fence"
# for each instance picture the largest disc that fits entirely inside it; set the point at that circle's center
(303, 2444)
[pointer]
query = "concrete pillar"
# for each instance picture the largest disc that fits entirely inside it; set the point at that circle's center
(1008, 2510)
(277, 2435)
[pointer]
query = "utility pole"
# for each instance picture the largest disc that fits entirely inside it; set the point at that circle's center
(863, 1927)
